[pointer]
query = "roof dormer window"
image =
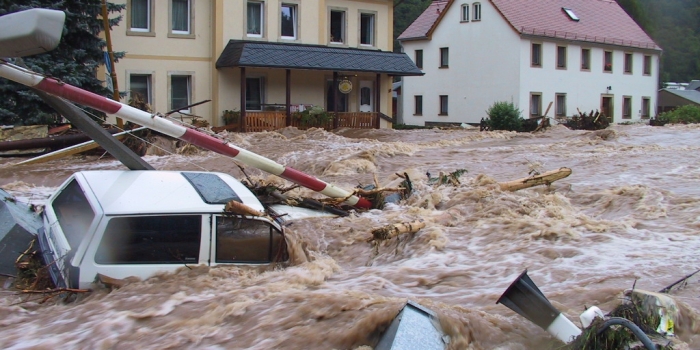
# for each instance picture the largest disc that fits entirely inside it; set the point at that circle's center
(569, 12)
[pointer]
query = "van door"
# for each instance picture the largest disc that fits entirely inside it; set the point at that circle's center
(241, 240)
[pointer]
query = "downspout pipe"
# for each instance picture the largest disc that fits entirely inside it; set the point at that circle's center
(167, 127)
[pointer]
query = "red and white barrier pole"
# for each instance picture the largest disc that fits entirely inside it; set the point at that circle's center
(101, 103)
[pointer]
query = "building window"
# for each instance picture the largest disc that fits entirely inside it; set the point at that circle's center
(627, 107)
(151, 240)
(628, 63)
(647, 65)
(181, 17)
(443, 105)
(140, 87)
(419, 59)
(444, 57)
(465, 13)
(561, 57)
(180, 92)
(561, 105)
(418, 105)
(607, 61)
(536, 55)
(289, 22)
(254, 94)
(255, 19)
(646, 107)
(585, 59)
(140, 12)
(569, 12)
(535, 104)
(337, 26)
(367, 29)
(476, 14)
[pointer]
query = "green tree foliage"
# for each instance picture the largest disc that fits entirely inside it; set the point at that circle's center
(504, 116)
(674, 25)
(74, 61)
(688, 114)
(404, 14)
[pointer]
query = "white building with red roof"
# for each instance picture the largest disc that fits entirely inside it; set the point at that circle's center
(576, 54)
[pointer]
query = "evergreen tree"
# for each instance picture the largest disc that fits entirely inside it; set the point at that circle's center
(404, 14)
(74, 61)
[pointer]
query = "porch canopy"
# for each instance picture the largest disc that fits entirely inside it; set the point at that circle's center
(242, 53)
(256, 54)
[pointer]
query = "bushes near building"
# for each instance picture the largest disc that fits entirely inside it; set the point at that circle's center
(504, 116)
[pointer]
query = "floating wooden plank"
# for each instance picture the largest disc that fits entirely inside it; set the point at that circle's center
(82, 147)
(536, 180)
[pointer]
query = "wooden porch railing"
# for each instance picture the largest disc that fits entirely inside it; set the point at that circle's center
(274, 120)
(265, 121)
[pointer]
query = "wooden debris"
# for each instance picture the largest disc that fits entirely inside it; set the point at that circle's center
(235, 207)
(592, 121)
(682, 280)
(540, 179)
(390, 231)
(444, 179)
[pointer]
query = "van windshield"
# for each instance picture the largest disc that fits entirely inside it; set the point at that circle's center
(74, 213)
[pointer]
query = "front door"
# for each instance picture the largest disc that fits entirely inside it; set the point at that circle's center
(330, 98)
(366, 96)
(606, 106)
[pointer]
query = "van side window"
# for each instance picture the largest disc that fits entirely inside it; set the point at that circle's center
(151, 240)
(74, 213)
(243, 240)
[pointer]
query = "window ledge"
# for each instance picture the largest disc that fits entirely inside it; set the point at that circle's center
(535, 66)
(647, 74)
(463, 21)
(629, 73)
(181, 36)
(418, 115)
(585, 69)
(476, 20)
(442, 114)
(561, 68)
(288, 40)
(443, 67)
(133, 33)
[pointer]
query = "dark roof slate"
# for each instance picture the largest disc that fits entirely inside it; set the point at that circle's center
(241, 53)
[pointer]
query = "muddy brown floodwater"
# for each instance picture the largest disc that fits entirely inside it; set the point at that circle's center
(629, 212)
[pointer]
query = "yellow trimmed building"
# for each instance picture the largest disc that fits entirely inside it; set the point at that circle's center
(260, 58)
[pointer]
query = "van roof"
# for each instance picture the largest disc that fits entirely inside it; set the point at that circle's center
(122, 192)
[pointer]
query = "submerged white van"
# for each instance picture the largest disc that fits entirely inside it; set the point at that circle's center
(139, 223)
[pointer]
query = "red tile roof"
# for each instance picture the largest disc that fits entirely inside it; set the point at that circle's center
(601, 21)
(423, 26)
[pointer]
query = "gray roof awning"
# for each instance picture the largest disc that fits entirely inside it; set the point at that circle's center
(240, 53)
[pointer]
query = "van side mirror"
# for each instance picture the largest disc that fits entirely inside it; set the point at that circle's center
(30, 32)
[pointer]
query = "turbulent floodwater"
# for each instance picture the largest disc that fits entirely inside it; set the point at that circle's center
(629, 212)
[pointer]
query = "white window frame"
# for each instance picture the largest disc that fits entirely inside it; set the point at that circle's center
(294, 9)
(464, 14)
(190, 20)
(647, 68)
(476, 12)
(343, 25)
(373, 28)
(262, 19)
(148, 31)
(190, 89)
